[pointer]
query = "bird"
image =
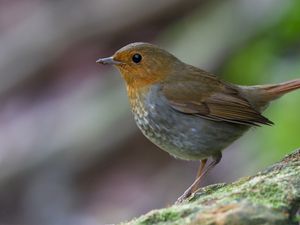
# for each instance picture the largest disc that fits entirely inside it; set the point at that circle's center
(186, 111)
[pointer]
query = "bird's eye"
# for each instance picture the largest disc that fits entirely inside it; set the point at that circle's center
(136, 58)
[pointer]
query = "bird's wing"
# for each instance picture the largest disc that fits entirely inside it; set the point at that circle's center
(212, 99)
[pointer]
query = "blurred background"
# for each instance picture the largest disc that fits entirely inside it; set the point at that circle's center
(70, 152)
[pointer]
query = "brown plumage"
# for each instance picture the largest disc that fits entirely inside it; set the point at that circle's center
(187, 111)
(210, 98)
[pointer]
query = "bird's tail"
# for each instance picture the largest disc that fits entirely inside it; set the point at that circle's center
(274, 91)
(261, 95)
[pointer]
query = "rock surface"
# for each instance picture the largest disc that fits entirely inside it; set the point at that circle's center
(269, 197)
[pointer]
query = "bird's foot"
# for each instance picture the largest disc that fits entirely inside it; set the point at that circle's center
(184, 196)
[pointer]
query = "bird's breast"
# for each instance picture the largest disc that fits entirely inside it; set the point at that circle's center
(184, 136)
(151, 115)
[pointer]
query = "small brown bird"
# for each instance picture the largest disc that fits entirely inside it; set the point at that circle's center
(186, 111)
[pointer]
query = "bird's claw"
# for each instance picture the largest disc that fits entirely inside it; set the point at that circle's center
(183, 197)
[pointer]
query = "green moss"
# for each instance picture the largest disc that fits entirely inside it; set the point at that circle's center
(210, 189)
(165, 216)
(260, 190)
(271, 195)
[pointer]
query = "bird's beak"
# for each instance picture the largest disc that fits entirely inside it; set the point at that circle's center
(108, 60)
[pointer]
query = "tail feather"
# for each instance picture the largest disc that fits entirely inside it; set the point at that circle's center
(261, 95)
(276, 90)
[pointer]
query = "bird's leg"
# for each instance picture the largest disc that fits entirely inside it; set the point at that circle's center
(216, 159)
(200, 171)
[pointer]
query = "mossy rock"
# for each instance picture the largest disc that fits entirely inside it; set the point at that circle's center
(270, 197)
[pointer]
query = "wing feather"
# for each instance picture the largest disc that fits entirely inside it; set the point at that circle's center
(214, 100)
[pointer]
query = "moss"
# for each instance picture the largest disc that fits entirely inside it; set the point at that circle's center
(165, 216)
(270, 197)
(172, 215)
(208, 190)
(258, 189)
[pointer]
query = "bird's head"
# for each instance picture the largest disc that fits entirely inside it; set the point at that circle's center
(143, 64)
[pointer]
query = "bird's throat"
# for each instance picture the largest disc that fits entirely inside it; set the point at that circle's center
(137, 96)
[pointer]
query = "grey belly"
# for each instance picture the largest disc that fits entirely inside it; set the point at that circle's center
(185, 136)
